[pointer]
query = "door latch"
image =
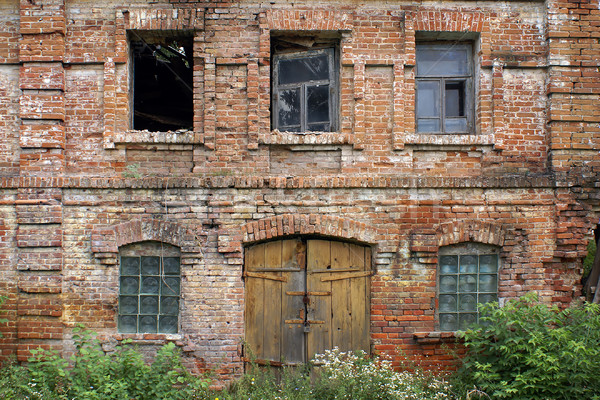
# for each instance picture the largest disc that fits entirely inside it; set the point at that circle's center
(306, 327)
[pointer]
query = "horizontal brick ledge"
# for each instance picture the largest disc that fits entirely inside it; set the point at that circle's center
(435, 337)
(279, 182)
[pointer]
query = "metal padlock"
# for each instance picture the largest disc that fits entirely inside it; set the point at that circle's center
(306, 328)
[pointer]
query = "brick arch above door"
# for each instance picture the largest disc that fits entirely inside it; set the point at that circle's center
(233, 238)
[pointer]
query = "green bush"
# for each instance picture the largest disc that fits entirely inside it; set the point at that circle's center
(92, 374)
(527, 351)
(338, 375)
(2, 320)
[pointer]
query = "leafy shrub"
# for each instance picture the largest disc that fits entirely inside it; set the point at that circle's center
(93, 374)
(338, 375)
(2, 320)
(527, 350)
(260, 383)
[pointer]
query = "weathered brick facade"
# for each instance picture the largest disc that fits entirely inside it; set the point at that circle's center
(77, 182)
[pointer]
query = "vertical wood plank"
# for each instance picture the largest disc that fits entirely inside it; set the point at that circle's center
(272, 304)
(318, 258)
(293, 347)
(360, 256)
(341, 301)
(254, 302)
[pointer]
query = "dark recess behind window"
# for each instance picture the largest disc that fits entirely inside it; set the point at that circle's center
(162, 84)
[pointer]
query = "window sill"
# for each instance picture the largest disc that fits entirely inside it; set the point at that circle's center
(430, 139)
(434, 337)
(182, 136)
(308, 138)
(148, 338)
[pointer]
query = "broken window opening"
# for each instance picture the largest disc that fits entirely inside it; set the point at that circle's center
(305, 81)
(162, 81)
(444, 87)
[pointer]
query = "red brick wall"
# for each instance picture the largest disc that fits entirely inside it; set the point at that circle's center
(76, 182)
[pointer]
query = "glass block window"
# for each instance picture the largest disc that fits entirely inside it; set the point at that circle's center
(304, 91)
(444, 87)
(149, 290)
(465, 280)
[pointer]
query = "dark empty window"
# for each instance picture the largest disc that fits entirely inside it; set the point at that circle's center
(162, 82)
(444, 88)
(149, 290)
(304, 88)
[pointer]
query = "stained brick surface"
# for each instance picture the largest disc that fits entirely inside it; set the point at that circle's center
(77, 182)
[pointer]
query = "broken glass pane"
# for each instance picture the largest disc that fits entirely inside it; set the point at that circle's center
(127, 323)
(130, 265)
(447, 60)
(168, 324)
(297, 70)
(289, 107)
(150, 265)
(317, 103)
(455, 98)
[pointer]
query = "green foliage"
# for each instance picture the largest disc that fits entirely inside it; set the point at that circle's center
(2, 320)
(588, 261)
(338, 375)
(260, 383)
(527, 351)
(356, 376)
(92, 374)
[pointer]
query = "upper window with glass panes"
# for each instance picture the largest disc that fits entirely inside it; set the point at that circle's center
(304, 84)
(444, 89)
(468, 276)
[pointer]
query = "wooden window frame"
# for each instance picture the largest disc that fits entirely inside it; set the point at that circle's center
(333, 82)
(442, 78)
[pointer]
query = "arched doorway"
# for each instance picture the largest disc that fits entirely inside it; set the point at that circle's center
(304, 296)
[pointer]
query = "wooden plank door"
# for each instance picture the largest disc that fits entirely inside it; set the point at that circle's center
(304, 297)
(338, 287)
(274, 319)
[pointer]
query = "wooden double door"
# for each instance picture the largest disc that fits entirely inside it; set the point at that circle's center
(304, 297)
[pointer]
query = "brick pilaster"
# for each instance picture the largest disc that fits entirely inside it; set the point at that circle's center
(42, 142)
